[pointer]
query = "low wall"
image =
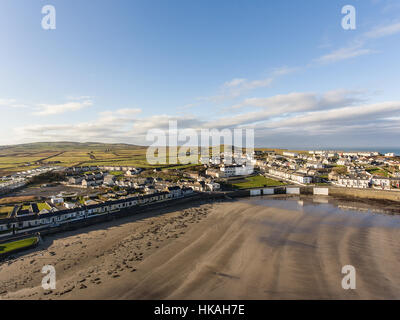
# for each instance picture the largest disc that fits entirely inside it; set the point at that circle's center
(255, 192)
(365, 193)
(325, 191)
(232, 194)
(321, 191)
(280, 190)
(292, 190)
(267, 191)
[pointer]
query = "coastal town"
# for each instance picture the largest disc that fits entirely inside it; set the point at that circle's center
(84, 191)
(177, 154)
(343, 169)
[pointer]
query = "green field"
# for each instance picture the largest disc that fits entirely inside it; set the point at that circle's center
(116, 173)
(4, 211)
(43, 205)
(15, 245)
(29, 156)
(256, 182)
(378, 172)
(67, 154)
(24, 157)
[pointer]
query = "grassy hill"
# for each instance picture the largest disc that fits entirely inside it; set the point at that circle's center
(23, 157)
(65, 146)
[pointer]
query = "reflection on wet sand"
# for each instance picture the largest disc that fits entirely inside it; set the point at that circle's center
(254, 248)
(312, 202)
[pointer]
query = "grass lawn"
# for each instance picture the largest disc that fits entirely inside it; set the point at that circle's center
(11, 246)
(340, 169)
(6, 209)
(13, 200)
(256, 182)
(116, 173)
(43, 205)
(378, 172)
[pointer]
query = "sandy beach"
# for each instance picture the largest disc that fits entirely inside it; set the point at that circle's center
(226, 250)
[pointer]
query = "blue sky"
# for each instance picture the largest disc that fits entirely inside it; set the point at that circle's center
(112, 70)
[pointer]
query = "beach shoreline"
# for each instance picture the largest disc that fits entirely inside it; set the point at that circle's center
(231, 249)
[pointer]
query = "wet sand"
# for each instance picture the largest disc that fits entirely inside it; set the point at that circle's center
(230, 250)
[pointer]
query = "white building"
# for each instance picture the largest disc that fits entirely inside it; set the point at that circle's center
(55, 200)
(381, 181)
(350, 154)
(69, 205)
(213, 186)
(354, 181)
(290, 154)
(343, 162)
(314, 165)
(301, 178)
(235, 170)
(289, 175)
(175, 191)
(390, 154)
(366, 154)
(214, 173)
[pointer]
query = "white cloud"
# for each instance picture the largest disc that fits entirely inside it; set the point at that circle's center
(7, 102)
(128, 112)
(79, 98)
(11, 103)
(52, 109)
(237, 87)
(383, 31)
(344, 54)
(357, 47)
(302, 101)
(337, 115)
(234, 82)
(108, 127)
(285, 70)
(120, 114)
(281, 105)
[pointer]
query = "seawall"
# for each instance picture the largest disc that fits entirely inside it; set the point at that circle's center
(365, 193)
(328, 191)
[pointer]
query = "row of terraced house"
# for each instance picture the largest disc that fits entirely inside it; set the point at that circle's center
(24, 223)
